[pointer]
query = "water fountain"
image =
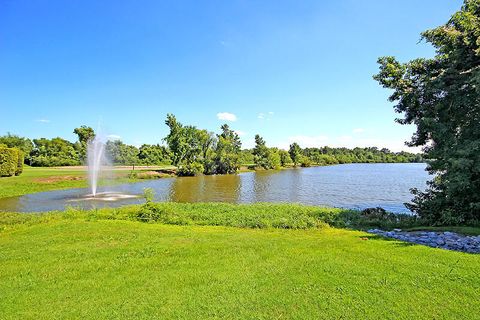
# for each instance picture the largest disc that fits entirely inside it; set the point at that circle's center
(95, 160)
(97, 165)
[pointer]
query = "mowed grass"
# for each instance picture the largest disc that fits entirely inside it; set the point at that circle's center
(42, 179)
(115, 269)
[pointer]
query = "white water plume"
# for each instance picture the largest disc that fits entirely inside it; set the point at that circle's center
(96, 160)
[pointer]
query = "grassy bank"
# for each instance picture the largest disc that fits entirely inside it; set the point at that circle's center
(77, 267)
(256, 215)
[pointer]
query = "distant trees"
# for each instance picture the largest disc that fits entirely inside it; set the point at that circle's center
(54, 152)
(260, 153)
(156, 154)
(295, 153)
(264, 157)
(121, 153)
(440, 95)
(285, 158)
(227, 151)
(197, 151)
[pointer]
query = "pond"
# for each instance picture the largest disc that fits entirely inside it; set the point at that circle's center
(356, 186)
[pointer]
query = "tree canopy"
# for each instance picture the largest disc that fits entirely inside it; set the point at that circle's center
(441, 97)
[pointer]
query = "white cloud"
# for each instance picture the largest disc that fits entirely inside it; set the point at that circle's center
(43, 120)
(265, 116)
(358, 130)
(227, 116)
(240, 133)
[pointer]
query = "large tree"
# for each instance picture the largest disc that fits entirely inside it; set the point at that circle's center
(85, 134)
(441, 96)
(227, 151)
(295, 153)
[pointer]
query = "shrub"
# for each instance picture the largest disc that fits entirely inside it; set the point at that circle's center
(20, 160)
(8, 161)
(305, 162)
(191, 169)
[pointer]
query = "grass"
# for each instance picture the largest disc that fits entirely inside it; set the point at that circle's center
(71, 266)
(256, 215)
(41, 179)
(222, 261)
(34, 180)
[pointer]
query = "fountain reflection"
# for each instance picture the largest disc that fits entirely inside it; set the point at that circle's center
(105, 196)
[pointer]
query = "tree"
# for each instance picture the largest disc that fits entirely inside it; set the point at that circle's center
(441, 96)
(260, 152)
(175, 140)
(21, 143)
(153, 155)
(273, 159)
(295, 153)
(264, 157)
(85, 134)
(227, 153)
(121, 153)
(54, 152)
(186, 143)
(284, 158)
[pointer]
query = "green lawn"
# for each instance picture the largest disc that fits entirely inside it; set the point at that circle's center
(78, 264)
(42, 179)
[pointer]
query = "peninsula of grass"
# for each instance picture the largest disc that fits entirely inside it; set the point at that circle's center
(34, 179)
(207, 261)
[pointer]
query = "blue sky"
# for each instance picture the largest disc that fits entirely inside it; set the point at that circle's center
(287, 70)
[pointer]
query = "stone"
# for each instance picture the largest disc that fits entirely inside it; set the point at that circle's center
(444, 240)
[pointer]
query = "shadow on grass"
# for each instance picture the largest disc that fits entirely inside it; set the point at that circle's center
(396, 242)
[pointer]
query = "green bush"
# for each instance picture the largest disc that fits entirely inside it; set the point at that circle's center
(8, 161)
(190, 170)
(305, 162)
(20, 160)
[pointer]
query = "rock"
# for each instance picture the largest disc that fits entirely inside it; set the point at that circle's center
(444, 240)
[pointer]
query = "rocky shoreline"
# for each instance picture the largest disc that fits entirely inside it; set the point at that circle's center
(444, 240)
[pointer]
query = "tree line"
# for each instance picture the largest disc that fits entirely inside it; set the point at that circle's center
(195, 151)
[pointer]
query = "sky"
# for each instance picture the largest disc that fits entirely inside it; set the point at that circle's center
(287, 70)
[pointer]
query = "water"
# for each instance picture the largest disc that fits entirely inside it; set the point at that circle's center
(355, 186)
(95, 160)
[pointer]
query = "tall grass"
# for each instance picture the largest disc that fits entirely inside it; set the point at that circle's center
(258, 215)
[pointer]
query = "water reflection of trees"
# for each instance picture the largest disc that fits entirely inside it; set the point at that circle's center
(277, 186)
(221, 188)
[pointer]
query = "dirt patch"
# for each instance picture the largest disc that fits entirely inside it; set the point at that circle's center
(55, 179)
(151, 175)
